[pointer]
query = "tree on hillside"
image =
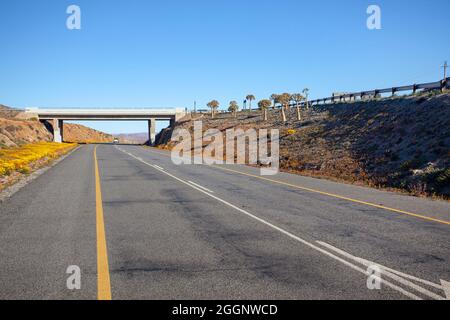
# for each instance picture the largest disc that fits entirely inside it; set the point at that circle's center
(297, 98)
(263, 106)
(250, 98)
(234, 107)
(284, 99)
(213, 105)
(306, 93)
(288, 105)
(274, 98)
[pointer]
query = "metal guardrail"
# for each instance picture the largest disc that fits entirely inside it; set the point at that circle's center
(438, 85)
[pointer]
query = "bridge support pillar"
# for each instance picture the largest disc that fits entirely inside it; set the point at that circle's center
(151, 132)
(58, 128)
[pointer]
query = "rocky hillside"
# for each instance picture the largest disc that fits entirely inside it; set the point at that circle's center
(81, 134)
(18, 132)
(400, 143)
(8, 113)
(14, 131)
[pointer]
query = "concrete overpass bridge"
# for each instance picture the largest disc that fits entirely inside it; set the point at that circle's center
(57, 117)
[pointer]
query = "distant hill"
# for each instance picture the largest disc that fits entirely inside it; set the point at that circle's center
(133, 138)
(400, 143)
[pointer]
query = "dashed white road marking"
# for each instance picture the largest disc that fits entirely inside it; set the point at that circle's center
(197, 185)
(309, 244)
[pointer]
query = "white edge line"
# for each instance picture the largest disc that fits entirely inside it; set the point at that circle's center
(197, 185)
(319, 249)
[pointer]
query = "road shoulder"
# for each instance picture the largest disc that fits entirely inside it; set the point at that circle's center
(26, 179)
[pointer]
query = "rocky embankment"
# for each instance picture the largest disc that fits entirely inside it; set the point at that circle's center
(401, 143)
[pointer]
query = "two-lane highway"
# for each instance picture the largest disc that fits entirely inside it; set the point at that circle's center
(143, 228)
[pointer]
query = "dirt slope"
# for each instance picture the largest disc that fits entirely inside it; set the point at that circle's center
(81, 134)
(18, 132)
(8, 113)
(401, 143)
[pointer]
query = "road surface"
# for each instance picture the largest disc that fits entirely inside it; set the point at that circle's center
(140, 227)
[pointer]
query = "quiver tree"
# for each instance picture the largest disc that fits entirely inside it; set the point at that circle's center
(250, 98)
(264, 105)
(213, 105)
(298, 98)
(234, 107)
(284, 99)
(306, 94)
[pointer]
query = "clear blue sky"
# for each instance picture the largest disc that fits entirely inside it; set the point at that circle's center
(168, 53)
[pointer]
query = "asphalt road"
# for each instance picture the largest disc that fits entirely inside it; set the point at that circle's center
(149, 229)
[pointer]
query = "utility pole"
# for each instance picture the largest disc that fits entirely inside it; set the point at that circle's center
(445, 66)
(195, 106)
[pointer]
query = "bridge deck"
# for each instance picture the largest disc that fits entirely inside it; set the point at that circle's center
(107, 114)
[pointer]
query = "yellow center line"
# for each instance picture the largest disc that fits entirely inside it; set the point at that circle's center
(103, 279)
(420, 216)
(337, 196)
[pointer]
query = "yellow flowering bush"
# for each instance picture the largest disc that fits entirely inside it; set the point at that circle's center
(20, 158)
(291, 132)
